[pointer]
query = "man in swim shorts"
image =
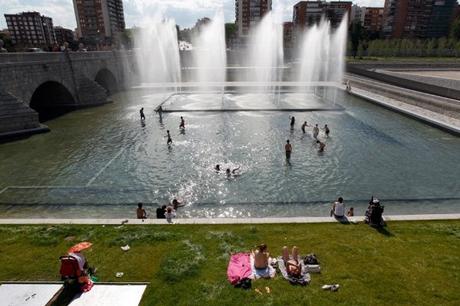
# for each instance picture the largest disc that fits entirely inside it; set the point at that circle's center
(288, 149)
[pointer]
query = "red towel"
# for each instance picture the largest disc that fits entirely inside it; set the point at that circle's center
(239, 267)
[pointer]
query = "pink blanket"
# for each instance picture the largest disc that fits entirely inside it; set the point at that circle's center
(239, 268)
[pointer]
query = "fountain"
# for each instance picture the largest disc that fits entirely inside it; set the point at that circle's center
(157, 51)
(322, 53)
(265, 52)
(209, 54)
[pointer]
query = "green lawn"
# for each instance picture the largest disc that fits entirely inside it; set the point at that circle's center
(416, 59)
(410, 263)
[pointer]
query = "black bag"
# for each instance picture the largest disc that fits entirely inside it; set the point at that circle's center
(311, 259)
(245, 283)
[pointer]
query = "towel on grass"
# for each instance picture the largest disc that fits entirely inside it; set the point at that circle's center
(304, 277)
(268, 272)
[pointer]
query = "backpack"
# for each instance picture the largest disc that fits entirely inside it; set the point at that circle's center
(311, 259)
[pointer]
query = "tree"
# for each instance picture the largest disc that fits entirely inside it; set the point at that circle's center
(356, 34)
(455, 29)
(230, 32)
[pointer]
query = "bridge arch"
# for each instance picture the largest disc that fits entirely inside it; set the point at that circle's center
(107, 80)
(52, 99)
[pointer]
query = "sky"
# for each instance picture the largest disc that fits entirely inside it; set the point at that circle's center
(184, 12)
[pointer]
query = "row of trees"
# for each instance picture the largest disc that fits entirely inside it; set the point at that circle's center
(363, 43)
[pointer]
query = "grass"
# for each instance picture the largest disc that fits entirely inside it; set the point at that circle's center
(417, 59)
(409, 263)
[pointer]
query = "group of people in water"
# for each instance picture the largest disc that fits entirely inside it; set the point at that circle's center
(167, 212)
(315, 133)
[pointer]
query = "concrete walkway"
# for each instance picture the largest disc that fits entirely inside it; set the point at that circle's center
(445, 122)
(224, 220)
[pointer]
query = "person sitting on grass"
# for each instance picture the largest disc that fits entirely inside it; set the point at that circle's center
(261, 256)
(374, 213)
(141, 213)
(262, 268)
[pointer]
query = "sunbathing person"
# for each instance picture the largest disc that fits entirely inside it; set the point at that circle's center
(291, 261)
(261, 256)
(293, 268)
(262, 268)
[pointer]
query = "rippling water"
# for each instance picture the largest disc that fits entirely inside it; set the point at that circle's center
(102, 161)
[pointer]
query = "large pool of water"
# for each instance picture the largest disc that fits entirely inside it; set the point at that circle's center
(100, 162)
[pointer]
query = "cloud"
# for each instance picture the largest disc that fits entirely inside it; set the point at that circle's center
(185, 12)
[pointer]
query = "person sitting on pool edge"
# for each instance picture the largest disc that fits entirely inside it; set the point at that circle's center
(338, 208)
(161, 212)
(141, 213)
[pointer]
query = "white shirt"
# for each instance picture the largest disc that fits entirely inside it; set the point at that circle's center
(339, 209)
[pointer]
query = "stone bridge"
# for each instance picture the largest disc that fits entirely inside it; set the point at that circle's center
(35, 87)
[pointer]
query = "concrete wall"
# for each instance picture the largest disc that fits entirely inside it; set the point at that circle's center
(366, 71)
(22, 74)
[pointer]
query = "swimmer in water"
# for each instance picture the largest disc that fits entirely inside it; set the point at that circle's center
(288, 149)
(322, 145)
(182, 123)
(169, 137)
(304, 125)
(217, 168)
(176, 204)
(327, 130)
(315, 131)
(229, 173)
(292, 122)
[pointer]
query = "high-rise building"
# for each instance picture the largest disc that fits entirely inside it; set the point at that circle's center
(373, 19)
(99, 20)
(418, 18)
(308, 13)
(30, 29)
(249, 12)
(63, 35)
(357, 14)
(288, 35)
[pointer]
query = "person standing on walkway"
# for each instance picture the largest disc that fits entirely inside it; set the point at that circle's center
(288, 150)
(141, 111)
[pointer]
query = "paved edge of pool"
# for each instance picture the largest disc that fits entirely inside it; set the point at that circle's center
(226, 220)
(415, 112)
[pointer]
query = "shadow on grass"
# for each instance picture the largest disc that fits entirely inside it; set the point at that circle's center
(384, 231)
